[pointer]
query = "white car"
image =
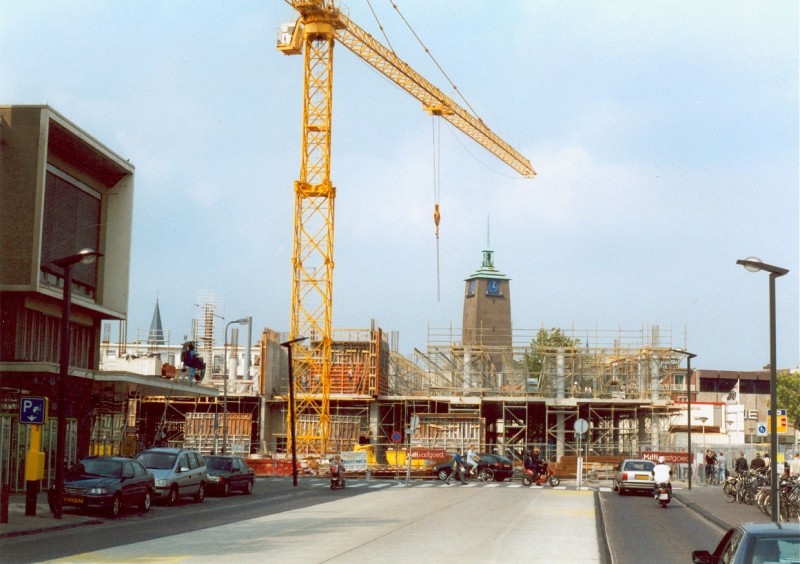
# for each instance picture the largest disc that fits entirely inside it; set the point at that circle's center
(634, 474)
(178, 472)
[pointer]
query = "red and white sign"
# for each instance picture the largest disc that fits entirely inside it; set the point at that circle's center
(670, 457)
(428, 454)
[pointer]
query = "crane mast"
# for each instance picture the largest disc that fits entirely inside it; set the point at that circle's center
(320, 24)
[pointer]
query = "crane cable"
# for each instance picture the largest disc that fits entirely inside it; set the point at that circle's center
(437, 187)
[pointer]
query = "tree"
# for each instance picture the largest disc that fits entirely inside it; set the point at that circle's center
(546, 340)
(788, 392)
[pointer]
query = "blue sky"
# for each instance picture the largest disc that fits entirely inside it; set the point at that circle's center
(665, 135)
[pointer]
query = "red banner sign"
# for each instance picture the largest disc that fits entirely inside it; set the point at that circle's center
(428, 454)
(670, 457)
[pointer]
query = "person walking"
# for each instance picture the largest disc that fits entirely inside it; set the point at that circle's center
(723, 469)
(741, 464)
(458, 466)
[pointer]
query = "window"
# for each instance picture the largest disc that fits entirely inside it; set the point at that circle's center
(71, 222)
(471, 287)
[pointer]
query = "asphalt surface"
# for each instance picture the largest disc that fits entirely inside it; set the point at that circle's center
(708, 501)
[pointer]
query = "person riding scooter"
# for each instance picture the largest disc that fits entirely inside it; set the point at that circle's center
(534, 462)
(662, 474)
(337, 473)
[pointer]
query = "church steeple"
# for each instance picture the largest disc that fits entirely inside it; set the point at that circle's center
(156, 334)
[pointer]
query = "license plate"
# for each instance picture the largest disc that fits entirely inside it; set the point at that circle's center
(663, 496)
(74, 500)
(642, 477)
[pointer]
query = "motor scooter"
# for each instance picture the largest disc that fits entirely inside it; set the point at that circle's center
(547, 476)
(663, 493)
(337, 476)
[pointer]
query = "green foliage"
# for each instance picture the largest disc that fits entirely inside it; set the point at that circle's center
(546, 339)
(788, 392)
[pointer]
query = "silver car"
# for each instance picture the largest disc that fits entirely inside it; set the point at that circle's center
(634, 474)
(178, 472)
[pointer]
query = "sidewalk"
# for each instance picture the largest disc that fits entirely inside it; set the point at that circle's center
(20, 524)
(709, 502)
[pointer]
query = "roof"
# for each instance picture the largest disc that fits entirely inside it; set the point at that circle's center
(487, 269)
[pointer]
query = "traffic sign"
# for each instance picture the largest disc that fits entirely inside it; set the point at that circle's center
(396, 436)
(761, 429)
(32, 410)
(783, 423)
(581, 426)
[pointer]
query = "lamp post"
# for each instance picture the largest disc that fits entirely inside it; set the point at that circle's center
(85, 256)
(730, 448)
(241, 321)
(288, 345)
(689, 356)
(703, 420)
(753, 264)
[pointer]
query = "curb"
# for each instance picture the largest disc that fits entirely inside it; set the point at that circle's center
(602, 536)
(64, 526)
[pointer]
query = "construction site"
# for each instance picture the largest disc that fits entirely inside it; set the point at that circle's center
(505, 399)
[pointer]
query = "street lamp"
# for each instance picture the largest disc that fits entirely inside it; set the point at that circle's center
(288, 345)
(730, 449)
(241, 321)
(703, 419)
(689, 356)
(753, 264)
(85, 256)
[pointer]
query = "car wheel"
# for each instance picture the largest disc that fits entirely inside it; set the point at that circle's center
(116, 506)
(201, 494)
(226, 489)
(248, 487)
(172, 496)
(145, 505)
(443, 474)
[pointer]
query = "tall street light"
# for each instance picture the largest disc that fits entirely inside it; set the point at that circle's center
(689, 356)
(241, 321)
(85, 256)
(288, 345)
(753, 264)
(703, 420)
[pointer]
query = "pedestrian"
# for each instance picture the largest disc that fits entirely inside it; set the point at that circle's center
(741, 464)
(723, 468)
(710, 466)
(191, 355)
(757, 463)
(794, 467)
(767, 462)
(457, 466)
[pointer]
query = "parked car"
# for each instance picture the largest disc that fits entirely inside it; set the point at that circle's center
(106, 482)
(179, 472)
(501, 468)
(755, 543)
(634, 474)
(229, 473)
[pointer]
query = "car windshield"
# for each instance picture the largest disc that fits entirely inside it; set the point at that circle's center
(96, 467)
(157, 460)
(213, 463)
(639, 466)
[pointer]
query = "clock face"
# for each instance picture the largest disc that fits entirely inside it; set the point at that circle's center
(493, 287)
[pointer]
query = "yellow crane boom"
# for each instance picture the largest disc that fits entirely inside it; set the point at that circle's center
(320, 24)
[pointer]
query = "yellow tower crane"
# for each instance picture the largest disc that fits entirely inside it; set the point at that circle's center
(319, 25)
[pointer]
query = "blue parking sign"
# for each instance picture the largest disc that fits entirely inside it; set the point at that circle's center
(32, 410)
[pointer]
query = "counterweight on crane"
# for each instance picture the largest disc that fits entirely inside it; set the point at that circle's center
(320, 24)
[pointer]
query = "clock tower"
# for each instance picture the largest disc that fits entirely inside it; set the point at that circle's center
(487, 310)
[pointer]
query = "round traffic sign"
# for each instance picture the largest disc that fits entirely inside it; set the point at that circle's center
(581, 426)
(396, 436)
(762, 429)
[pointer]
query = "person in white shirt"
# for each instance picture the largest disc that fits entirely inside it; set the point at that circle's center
(472, 460)
(661, 473)
(794, 467)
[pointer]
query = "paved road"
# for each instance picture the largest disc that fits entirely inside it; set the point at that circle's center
(469, 523)
(640, 530)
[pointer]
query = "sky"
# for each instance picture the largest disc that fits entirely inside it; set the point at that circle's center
(664, 134)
